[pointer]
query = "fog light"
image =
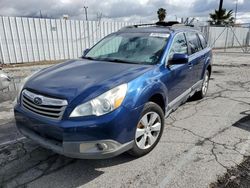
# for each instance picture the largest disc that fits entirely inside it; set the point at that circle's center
(101, 146)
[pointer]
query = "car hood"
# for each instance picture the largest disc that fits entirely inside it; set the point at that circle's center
(83, 78)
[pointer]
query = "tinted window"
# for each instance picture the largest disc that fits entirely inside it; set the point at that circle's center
(179, 45)
(203, 40)
(193, 42)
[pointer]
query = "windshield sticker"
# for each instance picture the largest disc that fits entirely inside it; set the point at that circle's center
(161, 35)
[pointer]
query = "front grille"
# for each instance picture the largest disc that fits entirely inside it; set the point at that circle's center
(42, 105)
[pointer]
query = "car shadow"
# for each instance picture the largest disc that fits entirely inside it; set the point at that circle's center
(25, 163)
(244, 123)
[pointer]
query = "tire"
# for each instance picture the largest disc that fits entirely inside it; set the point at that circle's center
(149, 130)
(202, 93)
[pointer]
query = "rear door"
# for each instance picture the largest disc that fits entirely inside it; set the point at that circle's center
(196, 55)
(204, 54)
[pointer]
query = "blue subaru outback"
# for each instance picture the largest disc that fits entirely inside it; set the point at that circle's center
(115, 98)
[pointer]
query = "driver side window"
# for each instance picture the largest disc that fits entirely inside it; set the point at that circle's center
(179, 45)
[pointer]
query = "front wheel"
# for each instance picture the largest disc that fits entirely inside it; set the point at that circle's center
(149, 130)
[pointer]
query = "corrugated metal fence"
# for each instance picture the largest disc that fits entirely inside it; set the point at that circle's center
(34, 39)
(227, 37)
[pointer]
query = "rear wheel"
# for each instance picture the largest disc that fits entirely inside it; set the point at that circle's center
(202, 93)
(149, 130)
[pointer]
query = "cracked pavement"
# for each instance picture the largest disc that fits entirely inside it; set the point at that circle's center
(201, 140)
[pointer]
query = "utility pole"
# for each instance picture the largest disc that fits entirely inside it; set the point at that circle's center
(221, 4)
(86, 12)
(236, 10)
(86, 16)
(220, 8)
(41, 16)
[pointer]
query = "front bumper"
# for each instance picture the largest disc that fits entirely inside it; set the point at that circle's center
(87, 138)
(99, 149)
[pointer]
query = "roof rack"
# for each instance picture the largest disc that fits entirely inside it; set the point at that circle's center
(164, 24)
(183, 25)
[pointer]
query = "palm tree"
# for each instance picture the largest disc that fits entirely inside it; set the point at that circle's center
(161, 14)
(222, 17)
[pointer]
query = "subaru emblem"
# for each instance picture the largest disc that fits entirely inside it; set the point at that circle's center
(38, 100)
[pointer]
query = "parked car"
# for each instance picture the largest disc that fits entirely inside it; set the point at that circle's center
(4, 80)
(116, 97)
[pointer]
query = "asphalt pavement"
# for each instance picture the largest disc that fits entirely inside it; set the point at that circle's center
(201, 141)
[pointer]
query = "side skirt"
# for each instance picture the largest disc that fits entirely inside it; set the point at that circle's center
(172, 106)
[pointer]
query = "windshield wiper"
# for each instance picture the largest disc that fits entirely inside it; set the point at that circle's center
(110, 60)
(119, 61)
(90, 58)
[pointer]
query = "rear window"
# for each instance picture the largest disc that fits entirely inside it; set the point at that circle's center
(193, 42)
(203, 40)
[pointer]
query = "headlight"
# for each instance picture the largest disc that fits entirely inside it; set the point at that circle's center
(102, 104)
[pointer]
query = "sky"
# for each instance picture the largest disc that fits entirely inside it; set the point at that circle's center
(122, 10)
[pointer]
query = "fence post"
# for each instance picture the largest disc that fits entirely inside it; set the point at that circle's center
(67, 38)
(76, 41)
(84, 35)
(47, 36)
(225, 47)
(247, 39)
(36, 39)
(25, 40)
(31, 41)
(12, 39)
(40, 27)
(88, 33)
(92, 33)
(18, 39)
(6, 41)
(64, 55)
(237, 40)
(1, 52)
(72, 41)
(52, 38)
(80, 36)
(57, 37)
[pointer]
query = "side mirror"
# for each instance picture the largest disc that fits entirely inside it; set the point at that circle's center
(178, 59)
(85, 51)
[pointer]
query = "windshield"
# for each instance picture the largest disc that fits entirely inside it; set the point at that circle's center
(138, 48)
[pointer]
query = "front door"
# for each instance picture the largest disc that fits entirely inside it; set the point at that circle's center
(180, 77)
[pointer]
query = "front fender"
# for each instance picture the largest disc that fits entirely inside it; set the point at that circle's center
(142, 89)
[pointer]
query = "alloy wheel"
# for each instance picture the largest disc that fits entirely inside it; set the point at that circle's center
(148, 130)
(205, 84)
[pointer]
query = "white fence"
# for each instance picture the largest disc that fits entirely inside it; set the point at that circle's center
(34, 39)
(228, 37)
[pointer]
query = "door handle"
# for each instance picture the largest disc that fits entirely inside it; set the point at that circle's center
(190, 65)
